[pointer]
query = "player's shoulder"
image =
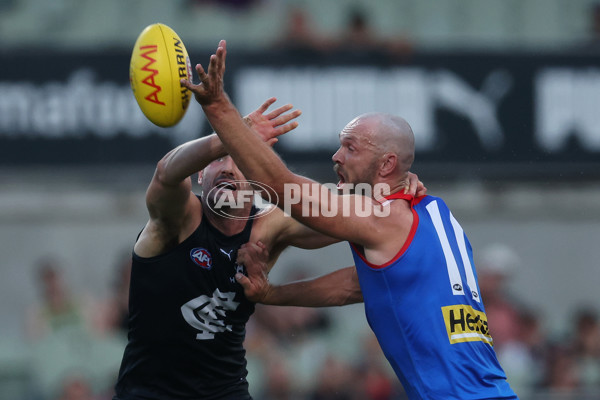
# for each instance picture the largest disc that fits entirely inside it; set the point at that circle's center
(427, 199)
(428, 203)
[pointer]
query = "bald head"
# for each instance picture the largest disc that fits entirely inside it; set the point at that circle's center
(387, 134)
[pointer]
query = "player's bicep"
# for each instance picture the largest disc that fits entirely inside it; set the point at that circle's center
(299, 235)
(168, 202)
(173, 213)
(346, 217)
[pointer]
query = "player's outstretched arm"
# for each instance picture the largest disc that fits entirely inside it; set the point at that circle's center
(169, 199)
(258, 162)
(170, 187)
(337, 288)
(225, 119)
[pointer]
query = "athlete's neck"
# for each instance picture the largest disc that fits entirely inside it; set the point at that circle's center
(400, 195)
(386, 187)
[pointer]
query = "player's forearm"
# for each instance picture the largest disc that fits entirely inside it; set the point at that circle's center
(189, 158)
(253, 156)
(334, 289)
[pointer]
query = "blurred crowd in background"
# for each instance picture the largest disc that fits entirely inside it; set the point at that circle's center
(316, 24)
(74, 341)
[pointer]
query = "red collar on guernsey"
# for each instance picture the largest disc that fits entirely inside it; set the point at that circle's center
(401, 196)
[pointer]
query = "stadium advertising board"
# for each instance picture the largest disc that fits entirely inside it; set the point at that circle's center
(498, 110)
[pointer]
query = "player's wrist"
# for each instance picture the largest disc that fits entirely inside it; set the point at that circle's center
(248, 121)
(218, 103)
(272, 295)
(217, 147)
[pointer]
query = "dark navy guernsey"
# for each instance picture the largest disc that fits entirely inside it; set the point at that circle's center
(425, 308)
(187, 322)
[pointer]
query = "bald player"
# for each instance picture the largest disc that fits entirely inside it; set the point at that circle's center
(414, 263)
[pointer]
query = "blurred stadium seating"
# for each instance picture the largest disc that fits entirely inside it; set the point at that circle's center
(508, 24)
(88, 214)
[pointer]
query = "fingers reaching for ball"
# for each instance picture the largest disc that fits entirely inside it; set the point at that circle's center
(210, 88)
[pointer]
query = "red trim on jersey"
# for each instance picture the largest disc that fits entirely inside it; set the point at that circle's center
(401, 196)
(417, 200)
(413, 229)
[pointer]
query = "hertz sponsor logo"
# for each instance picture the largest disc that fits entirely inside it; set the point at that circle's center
(465, 324)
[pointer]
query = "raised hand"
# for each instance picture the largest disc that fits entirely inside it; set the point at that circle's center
(210, 88)
(254, 257)
(273, 124)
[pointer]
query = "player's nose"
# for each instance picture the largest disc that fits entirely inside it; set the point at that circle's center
(337, 156)
(228, 166)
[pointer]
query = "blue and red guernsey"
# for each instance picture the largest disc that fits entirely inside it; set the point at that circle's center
(425, 308)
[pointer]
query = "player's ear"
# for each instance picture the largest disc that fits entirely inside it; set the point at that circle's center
(200, 174)
(388, 164)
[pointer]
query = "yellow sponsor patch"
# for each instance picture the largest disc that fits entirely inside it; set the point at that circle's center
(465, 324)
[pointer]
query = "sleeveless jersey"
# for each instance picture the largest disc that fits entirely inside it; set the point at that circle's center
(426, 311)
(187, 318)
